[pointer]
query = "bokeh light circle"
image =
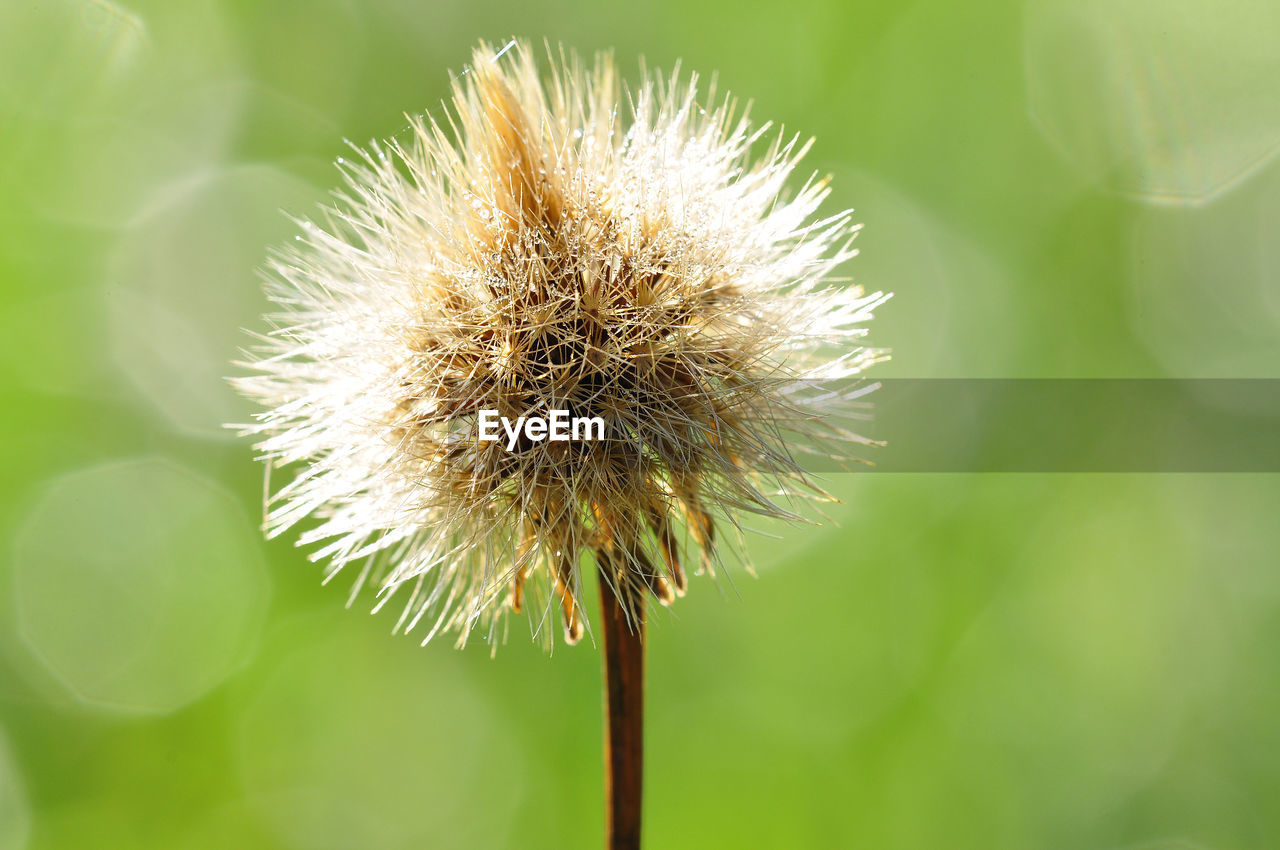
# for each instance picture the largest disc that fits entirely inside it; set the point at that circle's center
(139, 585)
(182, 287)
(1165, 100)
(1205, 284)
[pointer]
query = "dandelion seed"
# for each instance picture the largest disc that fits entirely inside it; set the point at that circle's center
(547, 253)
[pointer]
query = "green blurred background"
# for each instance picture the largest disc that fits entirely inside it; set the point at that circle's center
(1053, 188)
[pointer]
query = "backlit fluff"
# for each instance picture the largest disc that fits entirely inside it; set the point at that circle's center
(552, 243)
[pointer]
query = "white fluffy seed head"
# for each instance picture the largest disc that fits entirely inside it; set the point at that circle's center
(556, 244)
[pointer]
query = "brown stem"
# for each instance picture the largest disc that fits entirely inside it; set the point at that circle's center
(624, 710)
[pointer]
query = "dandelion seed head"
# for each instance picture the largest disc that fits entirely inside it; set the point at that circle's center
(552, 243)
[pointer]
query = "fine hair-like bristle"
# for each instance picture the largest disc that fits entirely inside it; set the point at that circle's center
(556, 244)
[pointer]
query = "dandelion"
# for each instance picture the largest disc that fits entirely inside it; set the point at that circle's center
(558, 247)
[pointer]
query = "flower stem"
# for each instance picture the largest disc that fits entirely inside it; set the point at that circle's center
(624, 710)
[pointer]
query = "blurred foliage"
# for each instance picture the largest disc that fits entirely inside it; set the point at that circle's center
(1052, 188)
